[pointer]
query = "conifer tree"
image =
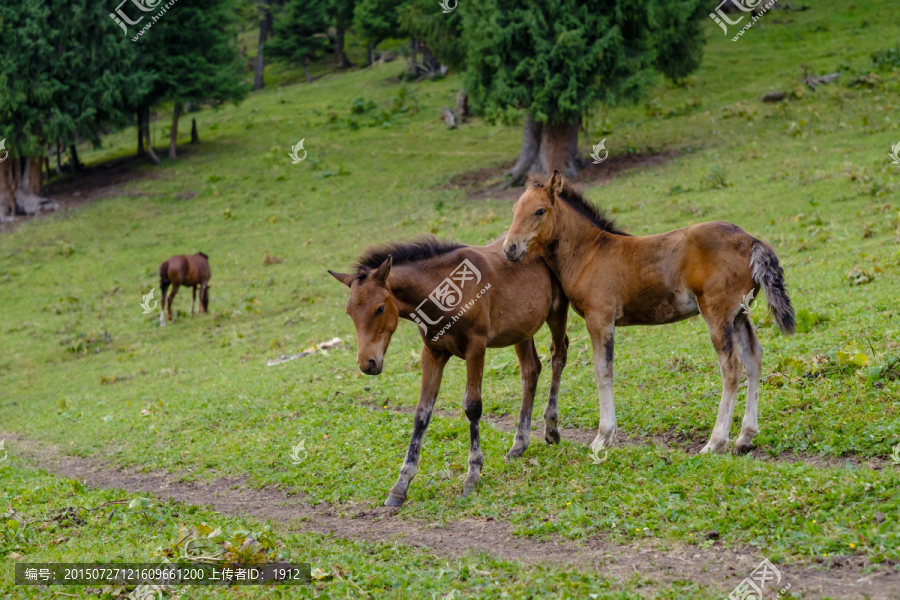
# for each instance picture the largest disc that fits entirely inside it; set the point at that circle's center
(556, 59)
(301, 32)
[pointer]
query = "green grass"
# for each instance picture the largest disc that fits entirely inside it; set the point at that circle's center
(811, 176)
(144, 530)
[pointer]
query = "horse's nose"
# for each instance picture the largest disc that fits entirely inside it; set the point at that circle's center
(372, 366)
(511, 252)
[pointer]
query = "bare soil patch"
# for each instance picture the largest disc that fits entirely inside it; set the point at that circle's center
(102, 180)
(488, 182)
(716, 567)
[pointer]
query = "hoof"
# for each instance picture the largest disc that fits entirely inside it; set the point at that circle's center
(551, 437)
(743, 448)
(394, 501)
(469, 485)
(515, 452)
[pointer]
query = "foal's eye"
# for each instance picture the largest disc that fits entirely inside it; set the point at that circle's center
(380, 310)
(540, 212)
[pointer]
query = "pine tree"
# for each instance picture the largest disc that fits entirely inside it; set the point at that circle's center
(376, 21)
(301, 32)
(66, 73)
(556, 59)
(441, 32)
(341, 12)
(191, 51)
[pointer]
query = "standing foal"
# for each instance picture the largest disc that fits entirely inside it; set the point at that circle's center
(184, 270)
(464, 300)
(612, 278)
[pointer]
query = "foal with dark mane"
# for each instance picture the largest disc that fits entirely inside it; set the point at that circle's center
(612, 278)
(464, 300)
(184, 270)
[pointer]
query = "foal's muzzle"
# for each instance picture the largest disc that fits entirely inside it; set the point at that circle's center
(371, 367)
(514, 251)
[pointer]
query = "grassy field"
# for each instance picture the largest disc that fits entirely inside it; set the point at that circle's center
(85, 369)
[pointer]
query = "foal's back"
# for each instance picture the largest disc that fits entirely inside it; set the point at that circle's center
(188, 270)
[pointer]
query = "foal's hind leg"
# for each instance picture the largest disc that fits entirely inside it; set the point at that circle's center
(432, 371)
(175, 287)
(751, 354)
(721, 331)
(530, 368)
(559, 348)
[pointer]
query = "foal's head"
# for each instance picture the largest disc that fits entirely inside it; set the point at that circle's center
(533, 221)
(374, 312)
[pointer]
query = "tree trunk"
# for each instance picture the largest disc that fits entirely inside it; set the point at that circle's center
(173, 136)
(47, 164)
(32, 174)
(413, 51)
(265, 26)
(195, 137)
(558, 149)
(146, 122)
(73, 158)
(9, 184)
(531, 144)
(140, 127)
(462, 104)
(340, 57)
(309, 78)
(58, 157)
(370, 53)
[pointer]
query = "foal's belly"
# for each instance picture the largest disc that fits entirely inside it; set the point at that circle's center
(654, 307)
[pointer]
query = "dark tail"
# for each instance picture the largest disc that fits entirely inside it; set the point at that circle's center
(769, 274)
(164, 277)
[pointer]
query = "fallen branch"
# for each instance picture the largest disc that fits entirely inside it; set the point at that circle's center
(329, 345)
(813, 82)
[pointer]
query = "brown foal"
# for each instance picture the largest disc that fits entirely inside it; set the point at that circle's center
(612, 278)
(464, 300)
(184, 270)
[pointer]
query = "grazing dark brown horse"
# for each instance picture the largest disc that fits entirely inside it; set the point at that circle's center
(612, 278)
(184, 270)
(463, 299)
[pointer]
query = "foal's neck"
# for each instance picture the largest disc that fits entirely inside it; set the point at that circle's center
(406, 288)
(576, 242)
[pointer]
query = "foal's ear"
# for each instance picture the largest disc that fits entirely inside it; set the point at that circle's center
(344, 278)
(384, 270)
(556, 184)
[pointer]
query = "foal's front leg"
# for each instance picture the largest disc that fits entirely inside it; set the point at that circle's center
(472, 403)
(602, 332)
(530, 368)
(432, 371)
(194, 301)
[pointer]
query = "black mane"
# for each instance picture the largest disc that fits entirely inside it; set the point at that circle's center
(403, 253)
(585, 208)
(203, 255)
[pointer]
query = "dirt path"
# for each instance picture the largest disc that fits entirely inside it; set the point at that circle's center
(715, 567)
